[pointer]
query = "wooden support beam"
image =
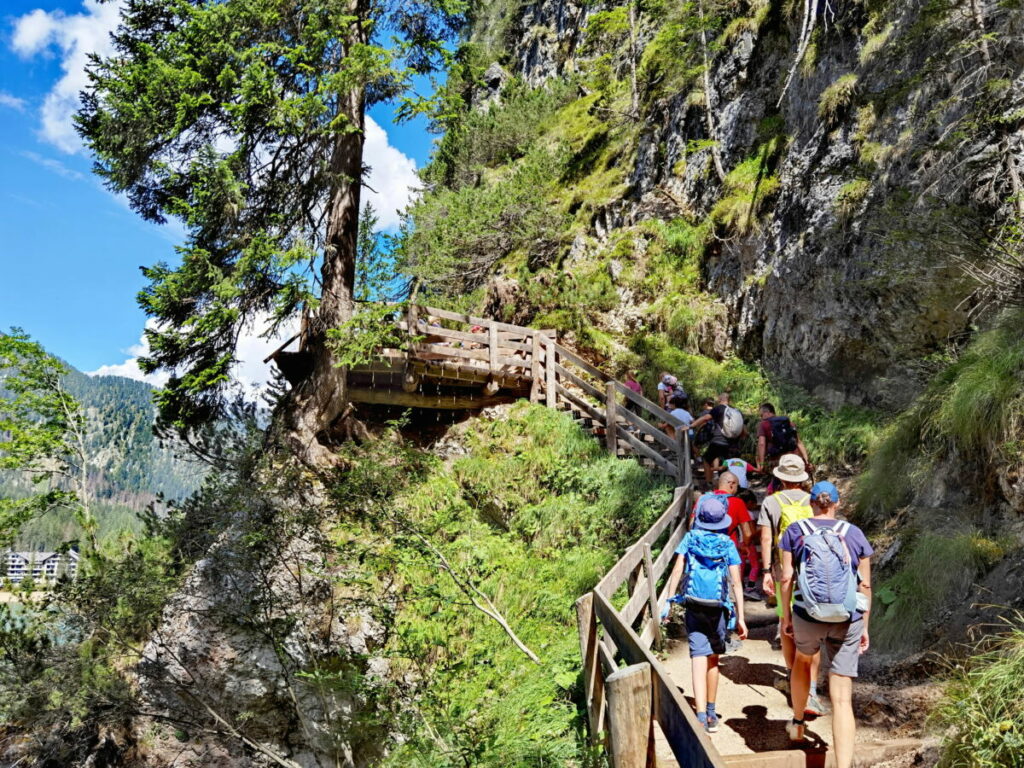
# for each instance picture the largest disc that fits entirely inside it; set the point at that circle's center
(652, 595)
(492, 346)
(593, 666)
(629, 716)
(440, 401)
(549, 370)
(611, 426)
(682, 448)
(535, 368)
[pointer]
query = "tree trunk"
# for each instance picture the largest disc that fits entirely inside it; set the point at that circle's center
(319, 407)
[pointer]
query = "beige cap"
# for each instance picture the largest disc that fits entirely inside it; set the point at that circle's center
(791, 469)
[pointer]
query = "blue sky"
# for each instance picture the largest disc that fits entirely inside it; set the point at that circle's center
(70, 251)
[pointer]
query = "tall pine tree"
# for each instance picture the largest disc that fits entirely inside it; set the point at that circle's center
(245, 119)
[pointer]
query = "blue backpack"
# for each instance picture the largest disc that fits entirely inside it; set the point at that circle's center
(706, 578)
(828, 585)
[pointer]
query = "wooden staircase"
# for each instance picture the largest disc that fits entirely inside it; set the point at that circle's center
(454, 361)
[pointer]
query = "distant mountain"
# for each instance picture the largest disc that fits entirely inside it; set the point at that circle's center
(129, 466)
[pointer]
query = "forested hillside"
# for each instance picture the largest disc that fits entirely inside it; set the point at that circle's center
(129, 467)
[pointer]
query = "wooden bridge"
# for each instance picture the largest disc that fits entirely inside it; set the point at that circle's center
(635, 707)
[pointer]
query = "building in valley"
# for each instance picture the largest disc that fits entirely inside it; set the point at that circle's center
(41, 566)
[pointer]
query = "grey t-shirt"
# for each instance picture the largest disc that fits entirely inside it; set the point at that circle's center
(771, 513)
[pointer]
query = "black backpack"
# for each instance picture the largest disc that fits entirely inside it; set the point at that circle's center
(783, 436)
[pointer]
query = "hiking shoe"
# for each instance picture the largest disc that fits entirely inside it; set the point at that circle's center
(711, 723)
(702, 718)
(795, 730)
(814, 707)
(733, 644)
(751, 592)
(781, 684)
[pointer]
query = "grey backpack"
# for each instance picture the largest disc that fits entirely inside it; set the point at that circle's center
(828, 585)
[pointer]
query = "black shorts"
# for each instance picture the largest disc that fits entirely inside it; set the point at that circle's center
(717, 451)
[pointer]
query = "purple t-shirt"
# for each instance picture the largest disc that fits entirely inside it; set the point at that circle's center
(856, 543)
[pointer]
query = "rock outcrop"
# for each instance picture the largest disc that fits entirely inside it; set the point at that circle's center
(893, 121)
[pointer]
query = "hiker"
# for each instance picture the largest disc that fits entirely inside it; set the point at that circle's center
(679, 407)
(742, 529)
(669, 386)
(702, 436)
(827, 571)
(776, 436)
(630, 382)
(711, 564)
(778, 512)
(728, 430)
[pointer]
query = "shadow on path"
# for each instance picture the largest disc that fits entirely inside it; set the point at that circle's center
(741, 672)
(761, 734)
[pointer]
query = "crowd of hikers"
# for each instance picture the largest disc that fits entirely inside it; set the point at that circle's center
(791, 550)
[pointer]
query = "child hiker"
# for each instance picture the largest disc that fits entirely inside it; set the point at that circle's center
(709, 564)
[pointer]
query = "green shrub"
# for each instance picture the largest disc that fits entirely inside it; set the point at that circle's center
(836, 98)
(850, 197)
(874, 44)
(981, 714)
(938, 569)
(747, 187)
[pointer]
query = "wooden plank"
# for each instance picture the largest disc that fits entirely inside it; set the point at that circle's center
(580, 403)
(549, 370)
(593, 675)
(535, 369)
(652, 594)
(492, 347)
(642, 448)
(653, 408)
(665, 556)
(682, 455)
(583, 384)
(629, 715)
(690, 745)
(419, 400)
(632, 556)
(647, 428)
(579, 362)
(611, 422)
(637, 599)
(418, 350)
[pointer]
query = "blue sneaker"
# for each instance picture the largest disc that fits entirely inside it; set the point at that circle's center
(711, 725)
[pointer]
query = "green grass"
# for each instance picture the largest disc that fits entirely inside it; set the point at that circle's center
(938, 568)
(981, 714)
(533, 515)
(836, 98)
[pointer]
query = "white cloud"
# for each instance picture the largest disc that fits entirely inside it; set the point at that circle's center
(53, 165)
(76, 36)
(11, 101)
(392, 176)
(249, 371)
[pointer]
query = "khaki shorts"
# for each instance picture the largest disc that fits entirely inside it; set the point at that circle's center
(841, 641)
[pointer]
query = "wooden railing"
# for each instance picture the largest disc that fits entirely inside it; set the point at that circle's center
(627, 689)
(556, 375)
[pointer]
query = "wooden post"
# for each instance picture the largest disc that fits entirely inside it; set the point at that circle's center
(611, 418)
(549, 364)
(652, 596)
(629, 715)
(535, 367)
(682, 455)
(412, 319)
(593, 674)
(688, 477)
(492, 347)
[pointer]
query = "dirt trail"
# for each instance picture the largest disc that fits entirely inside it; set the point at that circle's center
(754, 712)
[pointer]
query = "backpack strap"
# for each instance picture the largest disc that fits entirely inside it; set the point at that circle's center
(842, 528)
(805, 526)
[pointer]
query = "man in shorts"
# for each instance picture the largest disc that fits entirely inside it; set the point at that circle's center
(844, 641)
(791, 474)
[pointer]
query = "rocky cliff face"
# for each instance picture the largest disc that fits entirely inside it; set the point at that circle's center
(898, 115)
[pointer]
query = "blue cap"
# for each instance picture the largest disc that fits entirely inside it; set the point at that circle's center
(712, 513)
(824, 486)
